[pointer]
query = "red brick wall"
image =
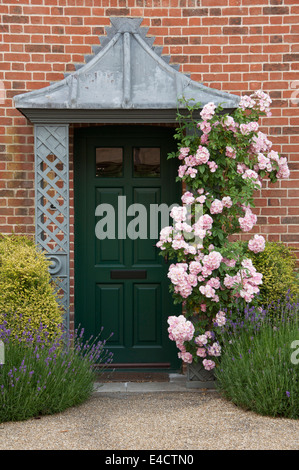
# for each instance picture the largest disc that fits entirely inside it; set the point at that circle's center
(237, 46)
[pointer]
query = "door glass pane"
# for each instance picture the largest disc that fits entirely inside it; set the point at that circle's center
(109, 161)
(146, 162)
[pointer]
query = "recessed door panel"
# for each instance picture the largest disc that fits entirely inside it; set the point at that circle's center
(147, 223)
(110, 298)
(147, 315)
(109, 248)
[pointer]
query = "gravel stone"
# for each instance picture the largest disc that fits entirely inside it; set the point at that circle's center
(152, 421)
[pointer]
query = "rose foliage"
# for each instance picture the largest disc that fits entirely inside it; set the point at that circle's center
(223, 161)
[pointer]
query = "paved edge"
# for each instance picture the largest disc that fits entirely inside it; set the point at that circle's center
(177, 383)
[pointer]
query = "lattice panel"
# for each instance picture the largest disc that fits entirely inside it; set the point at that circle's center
(52, 201)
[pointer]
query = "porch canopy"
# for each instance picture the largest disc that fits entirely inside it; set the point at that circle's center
(127, 79)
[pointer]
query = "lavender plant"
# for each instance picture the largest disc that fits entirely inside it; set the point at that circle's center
(45, 376)
(257, 370)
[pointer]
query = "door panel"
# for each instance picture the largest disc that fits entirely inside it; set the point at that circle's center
(121, 282)
(112, 295)
(108, 251)
(147, 314)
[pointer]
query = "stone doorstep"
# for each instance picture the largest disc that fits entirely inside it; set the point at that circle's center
(176, 383)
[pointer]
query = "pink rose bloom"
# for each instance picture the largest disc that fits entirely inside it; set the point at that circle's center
(209, 334)
(190, 161)
(250, 127)
(230, 123)
(227, 202)
(274, 156)
(207, 291)
(181, 171)
(208, 365)
(214, 350)
(201, 352)
(230, 152)
(216, 207)
(248, 221)
(187, 198)
(214, 282)
(212, 260)
(180, 329)
(201, 340)
(283, 171)
(230, 281)
(195, 267)
(246, 102)
(178, 213)
(260, 143)
(183, 152)
(220, 318)
(213, 166)
(263, 101)
(264, 162)
(206, 272)
(229, 262)
(208, 111)
(186, 357)
(204, 139)
(241, 168)
(191, 172)
(205, 127)
(202, 155)
(203, 307)
(257, 244)
(250, 174)
(204, 222)
(192, 279)
(201, 199)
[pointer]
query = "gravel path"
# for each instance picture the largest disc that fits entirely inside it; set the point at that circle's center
(152, 421)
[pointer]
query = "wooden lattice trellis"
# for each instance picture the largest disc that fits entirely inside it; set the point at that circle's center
(52, 203)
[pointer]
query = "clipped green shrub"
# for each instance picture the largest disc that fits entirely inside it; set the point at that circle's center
(277, 265)
(25, 286)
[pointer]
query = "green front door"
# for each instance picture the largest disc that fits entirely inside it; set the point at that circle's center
(121, 177)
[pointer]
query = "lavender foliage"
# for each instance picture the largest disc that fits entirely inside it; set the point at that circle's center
(43, 375)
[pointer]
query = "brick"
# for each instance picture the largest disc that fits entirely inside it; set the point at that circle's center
(37, 48)
(276, 10)
(215, 12)
(290, 238)
(117, 11)
(176, 40)
(195, 12)
(291, 57)
(230, 30)
(15, 19)
(235, 20)
(290, 130)
(276, 39)
(281, 67)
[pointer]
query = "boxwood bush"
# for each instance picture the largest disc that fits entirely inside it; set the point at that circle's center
(26, 288)
(277, 264)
